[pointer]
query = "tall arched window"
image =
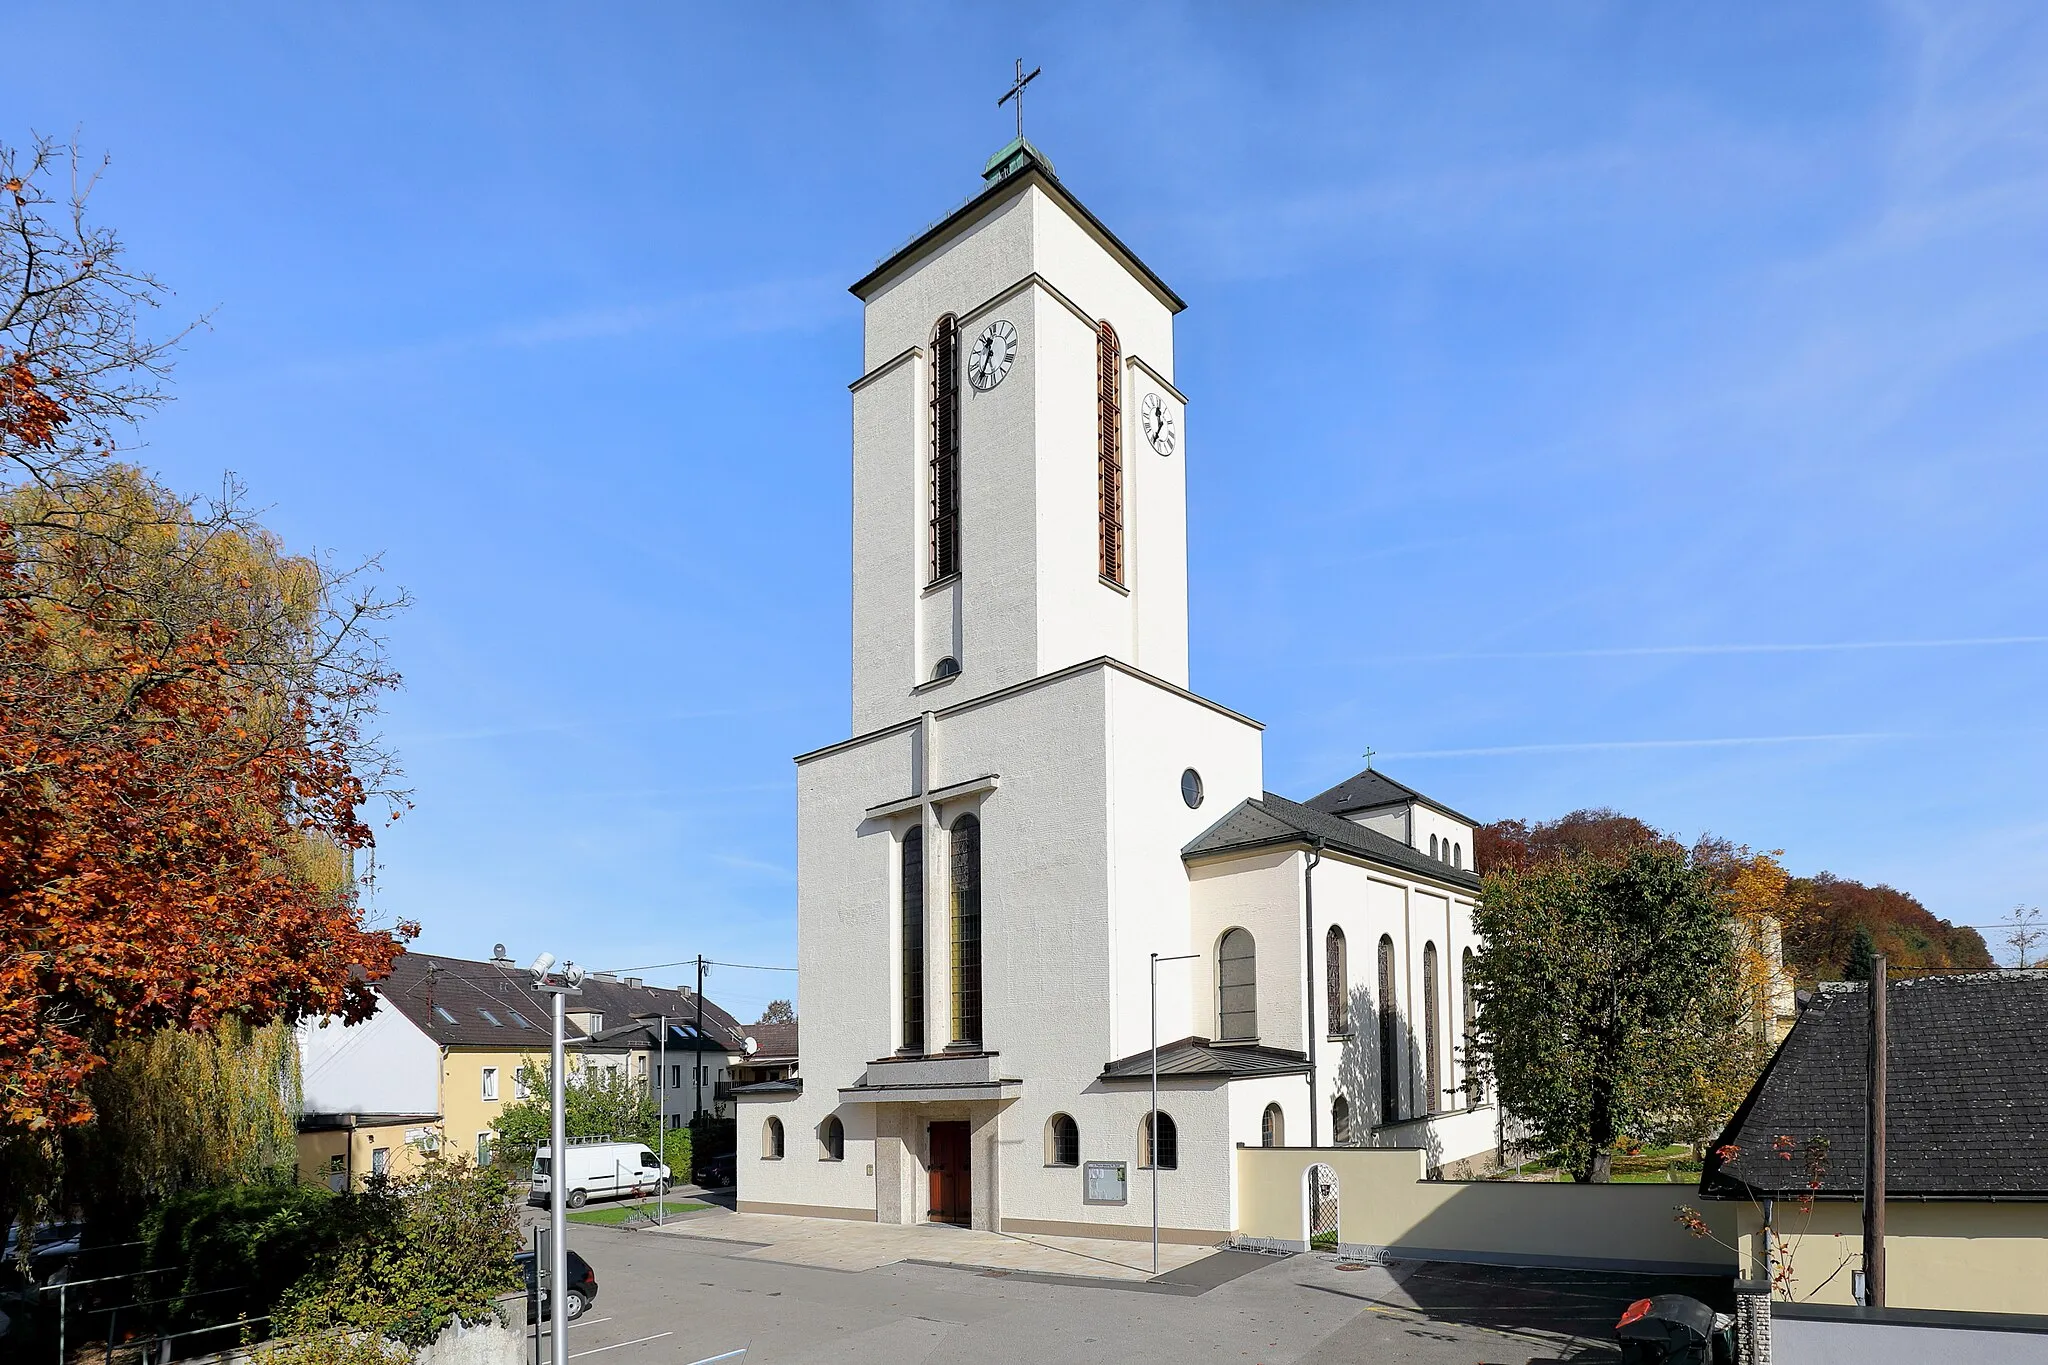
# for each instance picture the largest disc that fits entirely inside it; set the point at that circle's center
(1432, 846)
(1390, 1036)
(1237, 988)
(1168, 1145)
(913, 940)
(1433, 1065)
(945, 488)
(1062, 1141)
(1340, 1121)
(771, 1140)
(1475, 1072)
(1109, 441)
(967, 930)
(1336, 972)
(1272, 1127)
(832, 1139)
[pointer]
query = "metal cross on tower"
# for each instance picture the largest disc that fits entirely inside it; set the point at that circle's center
(1017, 94)
(1369, 752)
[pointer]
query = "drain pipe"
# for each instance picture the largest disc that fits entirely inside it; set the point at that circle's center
(1308, 901)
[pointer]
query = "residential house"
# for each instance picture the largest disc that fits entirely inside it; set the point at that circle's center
(442, 1056)
(1966, 1145)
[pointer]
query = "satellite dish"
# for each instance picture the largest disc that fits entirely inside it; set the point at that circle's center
(751, 1047)
(498, 952)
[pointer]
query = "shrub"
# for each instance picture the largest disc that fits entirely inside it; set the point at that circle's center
(256, 1241)
(435, 1247)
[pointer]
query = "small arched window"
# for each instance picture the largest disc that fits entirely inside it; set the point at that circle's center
(945, 474)
(913, 940)
(948, 667)
(1433, 1063)
(1273, 1127)
(832, 1139)
(1109, 443)
(1457, 855)
(1336, 972)
(1432, 846)
(771, 1140)
(1390, 1036)
(1340, 1121)
(1062, 1141)
(1168, 1146)
(966, 930)
(1237, 988)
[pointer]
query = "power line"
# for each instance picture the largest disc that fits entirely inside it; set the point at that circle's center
(691, 962)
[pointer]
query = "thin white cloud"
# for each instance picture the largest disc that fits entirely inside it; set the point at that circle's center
(1651, 651)
(1590, 746)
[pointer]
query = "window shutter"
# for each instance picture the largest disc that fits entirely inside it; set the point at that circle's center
(1109, 450)
(945, 448)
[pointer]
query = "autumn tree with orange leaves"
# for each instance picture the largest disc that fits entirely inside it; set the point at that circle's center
(185, 757)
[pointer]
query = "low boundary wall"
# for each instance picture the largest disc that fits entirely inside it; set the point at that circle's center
(1387, 1208)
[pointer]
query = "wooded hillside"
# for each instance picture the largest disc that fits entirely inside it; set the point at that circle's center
(1820, 931)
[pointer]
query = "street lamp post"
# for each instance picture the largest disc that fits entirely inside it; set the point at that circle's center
(1152, 1115)
(569, 981)
(661, 1129)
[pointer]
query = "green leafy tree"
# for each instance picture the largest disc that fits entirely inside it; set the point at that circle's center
(598, 1102)
(1595, 983)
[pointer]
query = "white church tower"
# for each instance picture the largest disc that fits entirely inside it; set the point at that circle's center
(1034, 803)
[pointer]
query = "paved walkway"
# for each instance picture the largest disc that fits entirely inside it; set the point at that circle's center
(841, 1244)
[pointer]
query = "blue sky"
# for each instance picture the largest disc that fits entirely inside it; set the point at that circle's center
(1592, 404)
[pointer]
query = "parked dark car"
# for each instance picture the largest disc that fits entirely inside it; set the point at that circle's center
(580, 1294)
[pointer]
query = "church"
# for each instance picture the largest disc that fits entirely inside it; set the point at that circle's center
(1041, 853)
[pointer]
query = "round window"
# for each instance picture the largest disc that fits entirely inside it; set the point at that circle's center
(1191, 788)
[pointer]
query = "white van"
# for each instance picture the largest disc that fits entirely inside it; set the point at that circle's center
(599, 1170)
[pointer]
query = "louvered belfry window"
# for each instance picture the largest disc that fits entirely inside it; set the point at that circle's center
(945, 448)
(1109, 450)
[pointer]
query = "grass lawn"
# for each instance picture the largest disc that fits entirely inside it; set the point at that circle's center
(626, 1213)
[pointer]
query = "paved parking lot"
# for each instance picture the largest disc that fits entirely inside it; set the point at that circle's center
(666, 1300)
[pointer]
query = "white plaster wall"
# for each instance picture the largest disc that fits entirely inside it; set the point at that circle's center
(383, 1065)
(891, 442)
(1082, 269)
(1154, 736)
(1262, 893)
(1156, 527)
(845, 907)
(994, 252)
(1195, 1195)
(1447, 832)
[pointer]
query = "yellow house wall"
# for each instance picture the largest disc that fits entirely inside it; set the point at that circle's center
(464, 1110)
(1961, 1257)
(1383, 1201)
(358, 1146)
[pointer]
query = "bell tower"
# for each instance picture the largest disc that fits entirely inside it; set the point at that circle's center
(1018, 491)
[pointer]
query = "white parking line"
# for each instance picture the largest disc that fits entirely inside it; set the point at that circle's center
(573, 1355)
(729, 1355)
(585, 1322)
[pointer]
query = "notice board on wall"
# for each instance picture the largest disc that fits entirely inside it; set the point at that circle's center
(1104, 1182)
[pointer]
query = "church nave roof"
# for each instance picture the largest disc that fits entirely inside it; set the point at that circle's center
(1273, 821)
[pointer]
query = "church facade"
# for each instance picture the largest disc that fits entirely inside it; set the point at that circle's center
(1034, 804)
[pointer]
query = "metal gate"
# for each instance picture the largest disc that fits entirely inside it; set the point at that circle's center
(1322, 1206)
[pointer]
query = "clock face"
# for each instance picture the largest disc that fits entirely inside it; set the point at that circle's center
(1158, 424)
(993, 351)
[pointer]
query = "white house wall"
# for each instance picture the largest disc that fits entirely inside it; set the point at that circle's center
(384, 1065)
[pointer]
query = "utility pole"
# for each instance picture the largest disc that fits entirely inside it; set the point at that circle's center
(697, 1111)
(1874, 1133)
